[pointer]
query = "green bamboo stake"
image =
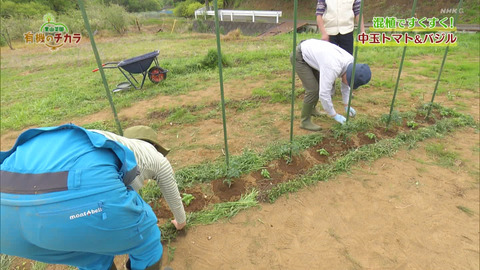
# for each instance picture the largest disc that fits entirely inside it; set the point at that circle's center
(441, 67)
(399, 72)
(295, 6)
(99, 63)
(354, 60)
(219, 51)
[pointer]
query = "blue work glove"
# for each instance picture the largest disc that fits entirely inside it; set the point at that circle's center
(340, 118)
(352, 111)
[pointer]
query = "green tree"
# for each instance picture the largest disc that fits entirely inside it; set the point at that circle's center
(25, 9)
(59, 6)
(14, 28)
(190, 11)
(187, 9)
(5, 35)
(137, 5)
(117, 17)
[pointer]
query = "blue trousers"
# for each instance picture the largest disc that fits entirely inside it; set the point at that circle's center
(85, 226)
(86, 232)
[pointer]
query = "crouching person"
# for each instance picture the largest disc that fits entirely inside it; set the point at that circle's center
(69, 196)
(318, 64)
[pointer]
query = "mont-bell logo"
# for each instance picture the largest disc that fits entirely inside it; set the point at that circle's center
(86, 213)
(52, 34)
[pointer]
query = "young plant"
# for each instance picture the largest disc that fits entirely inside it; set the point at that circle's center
(450, 96)
(395, 118)
(371, 136)
(228, 182)
(344, 131)
(187, 198)
(232, 172)
(265, 173)
(412, 124)
(284, 151)
(287, 159)
(323, 152)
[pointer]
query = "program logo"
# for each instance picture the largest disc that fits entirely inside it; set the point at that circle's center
(52, 34)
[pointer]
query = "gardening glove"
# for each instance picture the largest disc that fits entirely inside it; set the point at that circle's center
(352, 111)
(340, 118)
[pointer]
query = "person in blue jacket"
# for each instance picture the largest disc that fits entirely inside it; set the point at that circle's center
(68, 196)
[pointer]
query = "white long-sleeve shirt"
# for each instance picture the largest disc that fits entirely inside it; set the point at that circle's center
(152, 165)
(332, 62)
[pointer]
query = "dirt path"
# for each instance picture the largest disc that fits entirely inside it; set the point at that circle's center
(396, 213)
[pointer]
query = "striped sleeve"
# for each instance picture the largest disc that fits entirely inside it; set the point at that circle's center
(153, 165)
(356, 7)
(321, 6)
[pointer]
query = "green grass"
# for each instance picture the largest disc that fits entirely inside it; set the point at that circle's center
(476, 148)
(39, 266)
(40, 88)
(5, 262)
(471, 9)
(217, 212)
(466, 210)
(441, 155)
(48, 90)
(150, 192)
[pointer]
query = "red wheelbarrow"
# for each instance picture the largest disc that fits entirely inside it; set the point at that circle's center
(138, 65)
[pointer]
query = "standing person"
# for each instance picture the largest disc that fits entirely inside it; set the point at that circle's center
(336, 21)
(69, 196)
(318, 64)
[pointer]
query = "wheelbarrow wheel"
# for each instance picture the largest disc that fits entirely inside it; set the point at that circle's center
(157, 74)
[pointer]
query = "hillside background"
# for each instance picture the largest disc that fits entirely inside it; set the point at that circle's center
(122, 16)
(399, 8)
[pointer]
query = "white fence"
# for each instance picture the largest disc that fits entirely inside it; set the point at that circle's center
(239, 13)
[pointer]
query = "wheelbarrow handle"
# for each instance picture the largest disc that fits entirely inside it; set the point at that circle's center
(95, 70)
(109, 63)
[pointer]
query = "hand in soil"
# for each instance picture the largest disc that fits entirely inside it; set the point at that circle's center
(179, 226)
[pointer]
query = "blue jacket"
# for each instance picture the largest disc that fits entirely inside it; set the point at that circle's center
(58, 163)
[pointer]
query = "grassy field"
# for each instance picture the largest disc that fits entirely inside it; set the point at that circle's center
(44, 88)
(41, 88)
